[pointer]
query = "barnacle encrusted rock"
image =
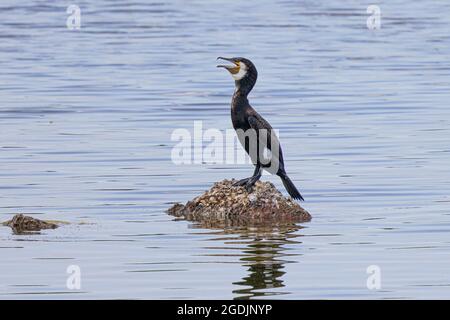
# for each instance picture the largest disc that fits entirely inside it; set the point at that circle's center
(234, 205)
(21, 224)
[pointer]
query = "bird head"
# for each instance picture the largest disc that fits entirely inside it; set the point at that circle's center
(242, 70)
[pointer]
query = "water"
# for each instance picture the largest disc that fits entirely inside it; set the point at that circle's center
(86, 118)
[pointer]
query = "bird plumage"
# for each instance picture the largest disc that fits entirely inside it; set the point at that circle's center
(244, 118)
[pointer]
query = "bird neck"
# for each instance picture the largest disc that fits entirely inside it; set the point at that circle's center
(245, 85)
(240, 91)
(239, 101)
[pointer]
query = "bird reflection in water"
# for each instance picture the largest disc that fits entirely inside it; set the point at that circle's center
(264, 254)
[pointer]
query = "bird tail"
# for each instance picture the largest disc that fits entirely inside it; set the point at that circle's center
(290, 187)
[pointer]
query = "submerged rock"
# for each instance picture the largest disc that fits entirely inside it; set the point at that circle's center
(24, 224)
(227, 205)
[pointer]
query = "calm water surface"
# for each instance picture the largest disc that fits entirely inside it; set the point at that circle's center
(86, 119)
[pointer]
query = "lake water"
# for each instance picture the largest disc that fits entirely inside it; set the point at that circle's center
(86, 118)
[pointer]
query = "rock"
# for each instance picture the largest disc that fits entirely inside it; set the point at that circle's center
(24, 224)
(227, 205)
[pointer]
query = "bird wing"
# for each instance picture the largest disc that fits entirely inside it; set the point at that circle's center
(258, 123)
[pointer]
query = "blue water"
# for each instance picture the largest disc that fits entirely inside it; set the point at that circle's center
(86, 118)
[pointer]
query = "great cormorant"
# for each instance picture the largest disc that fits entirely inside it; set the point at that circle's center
(265, 151)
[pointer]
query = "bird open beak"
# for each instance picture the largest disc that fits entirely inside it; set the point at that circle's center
(231, 68)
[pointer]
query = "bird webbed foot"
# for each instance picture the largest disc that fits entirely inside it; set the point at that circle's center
(247, 183)
(241, 182)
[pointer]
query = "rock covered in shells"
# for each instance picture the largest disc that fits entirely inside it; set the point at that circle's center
(234, 205)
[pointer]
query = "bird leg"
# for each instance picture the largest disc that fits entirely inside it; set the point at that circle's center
(250, 182)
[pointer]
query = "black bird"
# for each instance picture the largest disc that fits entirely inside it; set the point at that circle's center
(265, 151)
